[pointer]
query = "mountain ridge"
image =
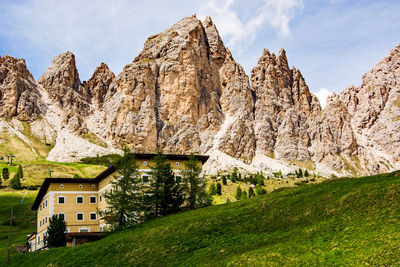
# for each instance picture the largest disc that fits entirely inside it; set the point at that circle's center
(185, 93)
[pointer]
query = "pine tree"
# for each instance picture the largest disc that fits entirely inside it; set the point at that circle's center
(212, 190)
(15, 182)
(251, 192)
(238, 193)
(6, 174)
(20, 172)
(219, 189)
(125, 199)
(56, 232)
(260, 190)
(224, 182)
(194, 185)
(164, 195)
(306, 173)
(300, 173)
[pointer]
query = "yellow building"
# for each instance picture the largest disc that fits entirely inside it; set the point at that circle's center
(79, 201)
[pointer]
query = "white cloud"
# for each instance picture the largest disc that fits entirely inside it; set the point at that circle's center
(274, 13)
(322, 95)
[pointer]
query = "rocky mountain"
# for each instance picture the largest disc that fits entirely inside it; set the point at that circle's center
(185, 93)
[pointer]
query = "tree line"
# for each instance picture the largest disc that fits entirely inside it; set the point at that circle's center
(132, 200)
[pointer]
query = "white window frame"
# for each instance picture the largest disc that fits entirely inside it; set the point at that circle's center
(83, 216)
(90, 199)
(63, 213)
(84, 228)
(90, 216)
(93, 186)
(58, 200)
(61, 186)
(83, 200)
(148, 178)
(80, 186)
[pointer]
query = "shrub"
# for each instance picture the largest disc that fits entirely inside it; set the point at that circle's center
(76, 175)
(251, 192)
(306, 173)
(260, 190)
(6, 174)
(238, 193)
(244, 195)
(224, 180)
(219, 189)
(212, 190)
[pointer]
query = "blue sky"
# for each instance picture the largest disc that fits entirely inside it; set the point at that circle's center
(332, 42)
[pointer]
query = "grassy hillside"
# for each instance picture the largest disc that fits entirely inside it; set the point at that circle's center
(23, 219)
(352, 221)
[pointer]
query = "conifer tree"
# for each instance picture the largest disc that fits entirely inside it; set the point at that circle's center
(164, 195)
(56, 232)
(251, 192)
(194, 185)
(306, 173)
(219, 189)
(20, 173)
(212, 190)
(6, 174)
(15, 182)
(125, 199)
(238, 193)
(224, 182)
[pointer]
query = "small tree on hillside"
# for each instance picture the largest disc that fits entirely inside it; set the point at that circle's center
(238, 193)
(164, 195)
(219, 189)
(125, 199)
(6, 174)
(20, 173)
(251, 192)
(56, 232)
(194, 185)
(306, 173)
(15, 182)
(212, 189)
(224, 182)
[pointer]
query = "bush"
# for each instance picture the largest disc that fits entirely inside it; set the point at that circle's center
(244, 195)
(224, 180)
(260, 190)
(6, 174)
(306, 173)
(76, 175)
(251, 192)
(238, 193)
(15, 182)
(212, 190)
(219, 189)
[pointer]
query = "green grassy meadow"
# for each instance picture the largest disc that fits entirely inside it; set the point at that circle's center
(346, 222)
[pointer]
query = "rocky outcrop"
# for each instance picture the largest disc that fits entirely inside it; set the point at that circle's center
(185, 93)
(19, 96)
(99, 84)
(64, 89)
(284, 108)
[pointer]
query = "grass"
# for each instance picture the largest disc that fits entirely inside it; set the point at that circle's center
(350, 221)
(23, 219)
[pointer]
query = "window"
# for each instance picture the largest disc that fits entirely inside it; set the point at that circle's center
(40, 222)
(61, 215)
(83, 230)
(46, 202)
(145, 178)
(100, 197)
(178, 178)
(61, 186)
(92, 200)
(93, 186)
(61, 200)
(80, 186)
(93, 216)
(79, 216)
(176, 163)
(45, 220)
(145, 163)
(79, 200)
(40, 206)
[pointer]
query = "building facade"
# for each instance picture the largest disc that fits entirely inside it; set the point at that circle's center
(79, 200)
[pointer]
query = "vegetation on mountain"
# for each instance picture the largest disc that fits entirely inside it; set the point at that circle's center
(350, 221)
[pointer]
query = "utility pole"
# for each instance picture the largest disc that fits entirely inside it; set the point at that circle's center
(9, 236)
(50, 171)
(11, 157)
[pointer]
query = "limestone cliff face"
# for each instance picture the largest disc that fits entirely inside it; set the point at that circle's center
(19, 96)
(185, 93)
(63, 87)
(283, 109)
(178, 91)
